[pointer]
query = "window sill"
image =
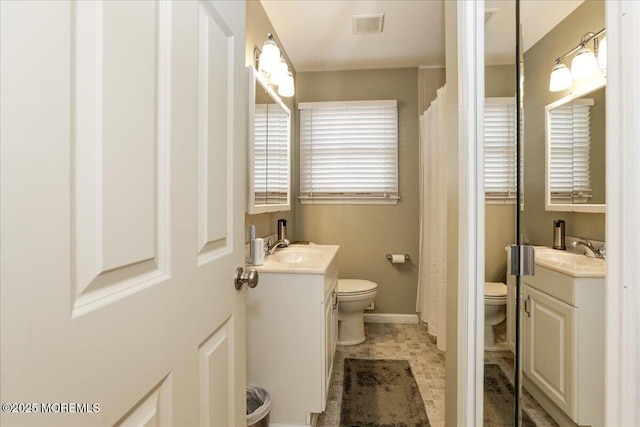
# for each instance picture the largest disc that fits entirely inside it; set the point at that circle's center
(499, 202)
(348, 200)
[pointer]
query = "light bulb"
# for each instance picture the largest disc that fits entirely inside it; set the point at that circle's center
(286, 87)
(279, 73)
(270, 56)
(584, 64)
(602, 54)
(560, 78)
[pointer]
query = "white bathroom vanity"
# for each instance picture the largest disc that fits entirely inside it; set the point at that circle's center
(562, 330)
(292, 331)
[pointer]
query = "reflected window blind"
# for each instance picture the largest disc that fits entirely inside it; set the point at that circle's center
(271, 172)
(349, 152)
(570, 157)
(500, 149)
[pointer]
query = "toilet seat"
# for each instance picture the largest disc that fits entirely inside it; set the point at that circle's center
(495, 290)
(352, 287)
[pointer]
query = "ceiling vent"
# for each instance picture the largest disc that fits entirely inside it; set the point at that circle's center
(367, 24)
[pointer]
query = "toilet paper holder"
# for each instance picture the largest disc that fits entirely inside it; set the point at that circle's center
(390, 257)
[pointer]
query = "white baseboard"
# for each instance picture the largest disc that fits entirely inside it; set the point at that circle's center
(390, 318)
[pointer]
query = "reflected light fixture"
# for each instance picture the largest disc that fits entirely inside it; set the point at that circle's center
(602, 55)
(286, 87)
(279, 73)
(272, 64)
(584, 64)
(560, 78)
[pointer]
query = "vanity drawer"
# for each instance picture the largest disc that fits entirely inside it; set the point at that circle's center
(556, 284)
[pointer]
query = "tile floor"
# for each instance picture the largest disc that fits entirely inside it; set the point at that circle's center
(413, 343)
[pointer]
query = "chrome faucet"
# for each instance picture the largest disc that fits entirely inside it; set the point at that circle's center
(272, 247)
(591, 251)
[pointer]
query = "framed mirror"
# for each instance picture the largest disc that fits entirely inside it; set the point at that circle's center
(269, 148)
(575, 148)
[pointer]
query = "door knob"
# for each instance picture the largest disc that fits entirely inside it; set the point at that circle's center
(250, 278)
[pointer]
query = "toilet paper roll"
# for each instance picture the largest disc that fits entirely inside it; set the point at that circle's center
(397, 259)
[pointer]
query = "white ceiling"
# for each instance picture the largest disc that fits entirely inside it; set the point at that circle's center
(317, 34)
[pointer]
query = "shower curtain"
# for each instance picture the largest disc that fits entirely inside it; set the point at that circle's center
(432, 277)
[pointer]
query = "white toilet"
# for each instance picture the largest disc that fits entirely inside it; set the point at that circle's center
(495, 311)
(354, 295)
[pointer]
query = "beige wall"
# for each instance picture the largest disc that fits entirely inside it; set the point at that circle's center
(258, 25)
(500, 220)
(366, 233)
(538, 60)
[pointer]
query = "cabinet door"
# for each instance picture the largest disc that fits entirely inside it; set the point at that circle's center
(334, 324)
(549, 348)
(511, 314)
(330, 338)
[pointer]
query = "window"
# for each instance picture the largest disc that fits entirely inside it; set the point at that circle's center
(570, 152)
(500, 150)
(349, 152)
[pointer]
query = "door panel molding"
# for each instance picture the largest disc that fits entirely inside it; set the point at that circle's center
(216, 358)
(215, 135)
(154, 409)
(120, 150)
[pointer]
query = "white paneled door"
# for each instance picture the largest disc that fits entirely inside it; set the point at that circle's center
(122, 187)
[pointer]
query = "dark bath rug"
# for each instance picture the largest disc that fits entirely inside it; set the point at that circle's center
(498, 399)
(381, 393)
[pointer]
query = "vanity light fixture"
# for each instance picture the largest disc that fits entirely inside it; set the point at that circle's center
(583, 65)
(271, 62)
(270, 55)
(279, 73)
(602, 55)
(560, 78)
(286, 87)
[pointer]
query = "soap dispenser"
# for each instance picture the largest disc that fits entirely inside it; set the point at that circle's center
(558, 235)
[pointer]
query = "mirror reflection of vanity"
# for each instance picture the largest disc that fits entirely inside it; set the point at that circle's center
(269, 148)
(575, 148)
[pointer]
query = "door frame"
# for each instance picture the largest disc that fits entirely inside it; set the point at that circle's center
(622, 348)
(622, 313)
(471, 247)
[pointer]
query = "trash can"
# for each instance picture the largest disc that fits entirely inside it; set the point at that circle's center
(258, 407)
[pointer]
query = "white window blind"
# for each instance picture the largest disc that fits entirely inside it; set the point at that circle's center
(500, 149)
(271, 154)
(570, 156)
(349, 152)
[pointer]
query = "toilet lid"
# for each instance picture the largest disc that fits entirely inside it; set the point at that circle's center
(495, 289)
(355, 286)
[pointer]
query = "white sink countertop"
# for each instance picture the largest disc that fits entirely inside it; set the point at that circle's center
(299, 259)
(570, 262)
